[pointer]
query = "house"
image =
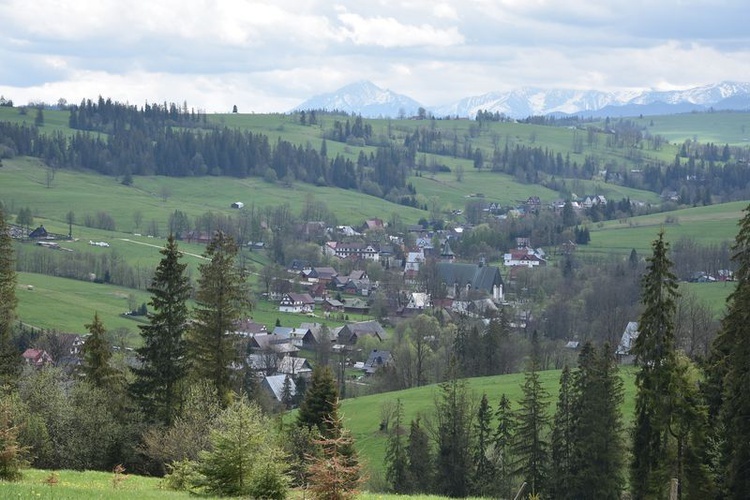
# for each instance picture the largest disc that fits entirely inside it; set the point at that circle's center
(39, 232)
(249, 328)
(281, 387)
(332, 305)
(463, 277)
(627, 341)
(350, 333)
(524, 257)
(37, 358)
(297, 303)
(294, 367)
(373, 224)
(413, 261)
(237, 205)
(275, 343)
(376, 360)
(418, 301)
(356, 306)
(352, 250)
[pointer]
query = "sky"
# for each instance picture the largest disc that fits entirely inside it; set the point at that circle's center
(270, 56)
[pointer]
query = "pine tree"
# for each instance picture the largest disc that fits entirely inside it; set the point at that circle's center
(562, 439)
(335, 474)
(503, 442)
(453, 436)
(97, 355)
(420, 458)
(244, 458)
(597, 447)
(320, 405)
(163, 365)
(10, 359)
(654, 351)
(221, 300)
(728, 379)
(396, 458)
(530, 445)
(484, 470)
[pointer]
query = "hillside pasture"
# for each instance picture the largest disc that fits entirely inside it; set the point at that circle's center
(713, 224)
(362, 415)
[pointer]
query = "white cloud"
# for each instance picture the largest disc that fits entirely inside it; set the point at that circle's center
(389, 32)
(270, 55)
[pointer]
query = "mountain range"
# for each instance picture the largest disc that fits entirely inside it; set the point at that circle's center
(367, 99)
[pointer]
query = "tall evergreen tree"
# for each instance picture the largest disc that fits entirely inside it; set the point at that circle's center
(503, 442)
(420, 458)
(654, 351)
(396, 457)
(221, 300)
(10, 360)
(562, 439)
(320, 405)
(483, 470)
(597, 447)
(530, 445)
(163, 363)
(728, 380)
(97, 355)
(453, 436)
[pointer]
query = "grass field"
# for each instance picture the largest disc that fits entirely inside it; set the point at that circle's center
(91, 485)
(713, 224)
(362, 415)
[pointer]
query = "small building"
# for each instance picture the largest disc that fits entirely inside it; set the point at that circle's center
(281, 387)
(627, 341)
(238, 205)
(377, 360)
(37, 358)
(350, 333)
(297, 303)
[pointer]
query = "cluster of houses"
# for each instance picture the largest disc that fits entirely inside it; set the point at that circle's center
(274, 355)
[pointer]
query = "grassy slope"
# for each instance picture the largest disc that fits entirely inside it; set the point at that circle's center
(75, 485)
(713, 224)
(362, 415)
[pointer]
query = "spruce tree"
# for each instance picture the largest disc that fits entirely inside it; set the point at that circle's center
(97, 355)
(728, 379)
(654, 350)
(221, 301)
(503, 442)
(597, 447)
(10, 359)
(396, 458)
(530, 445)
(163, 364)
(453, 436)
(484, 470)
(562, 439)
(420, 458)
(320, 405)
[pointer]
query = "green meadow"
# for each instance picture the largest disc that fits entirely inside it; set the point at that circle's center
(362, 415)
(713, 224)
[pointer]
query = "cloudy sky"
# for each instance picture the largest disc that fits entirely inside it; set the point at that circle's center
(270, 55)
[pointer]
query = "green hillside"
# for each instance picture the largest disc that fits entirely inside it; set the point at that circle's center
(362, 415)
(714, 224)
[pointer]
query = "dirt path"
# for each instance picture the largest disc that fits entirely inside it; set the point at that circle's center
(160, 247)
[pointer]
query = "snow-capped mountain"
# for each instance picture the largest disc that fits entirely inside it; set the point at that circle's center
(532, 101)
(371, 101)
(364, 98)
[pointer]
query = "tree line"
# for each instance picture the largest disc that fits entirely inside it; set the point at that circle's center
(188, 407)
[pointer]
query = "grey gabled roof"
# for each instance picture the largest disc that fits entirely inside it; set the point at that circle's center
(275, 384)
(480, 277)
